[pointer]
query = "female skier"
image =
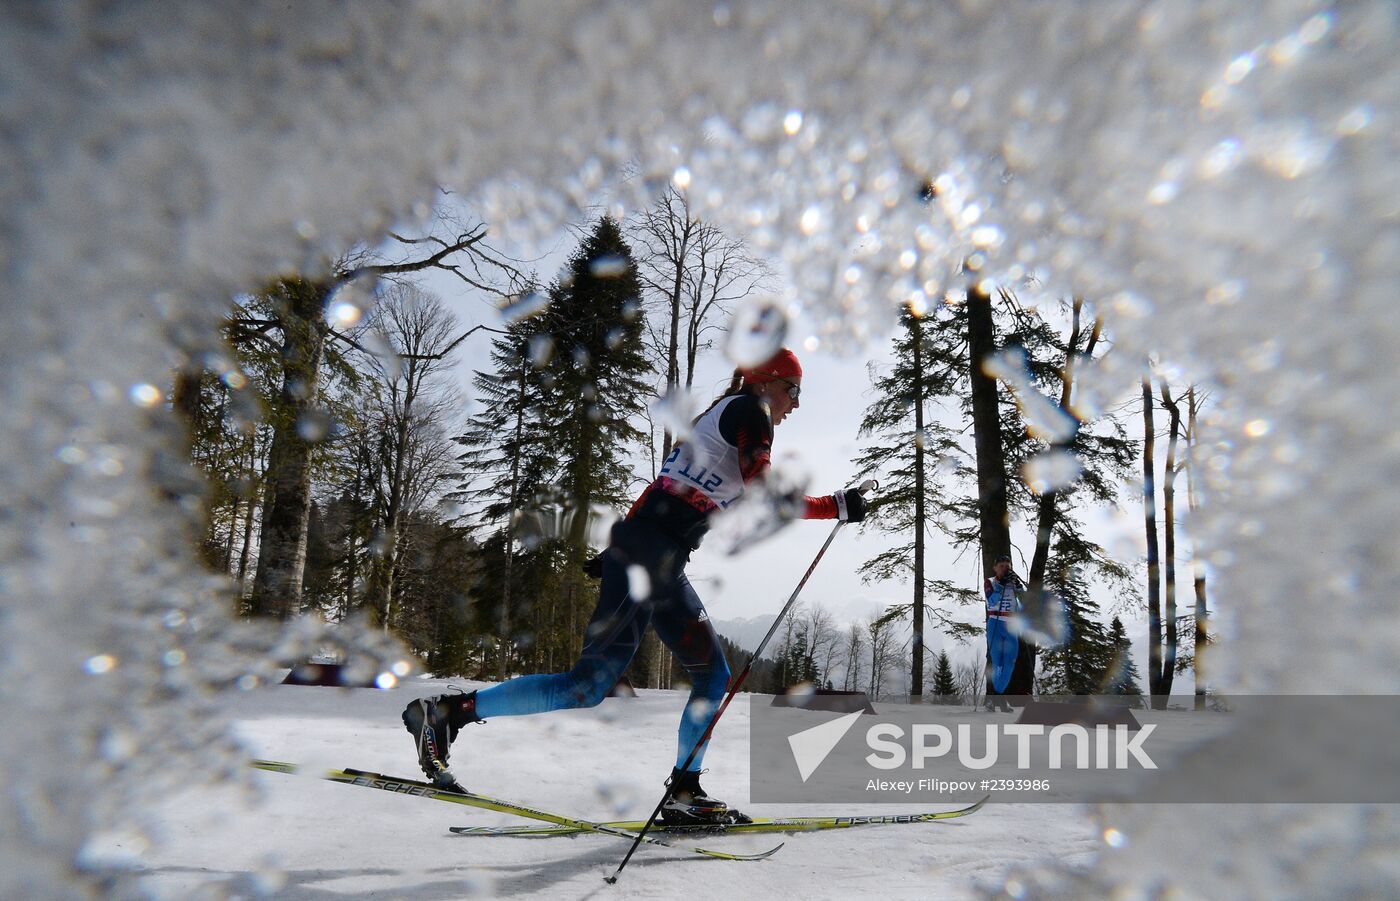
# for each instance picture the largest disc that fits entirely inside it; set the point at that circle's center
(728, 448)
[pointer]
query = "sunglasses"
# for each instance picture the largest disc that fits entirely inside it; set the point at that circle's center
(794, 391)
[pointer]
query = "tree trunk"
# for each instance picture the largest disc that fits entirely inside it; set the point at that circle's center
(186, 400)
(244, 553)
(1047, 508)
(1169, 539)
(282, 552)
(503, 658)
(1149, 515)
(235, 507)
(184, 396)
(1198, 580)
(381, 574)
(679, 245)
(673, 374)
(994, 520)
(916, 676)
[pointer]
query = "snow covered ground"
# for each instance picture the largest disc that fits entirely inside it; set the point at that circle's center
(305, 838)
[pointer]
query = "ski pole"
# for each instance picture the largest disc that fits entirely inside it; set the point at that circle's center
(865, 487)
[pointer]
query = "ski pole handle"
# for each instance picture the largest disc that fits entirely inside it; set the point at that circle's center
(868, 486)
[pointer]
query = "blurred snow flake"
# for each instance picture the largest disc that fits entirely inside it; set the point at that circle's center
(1224, 156)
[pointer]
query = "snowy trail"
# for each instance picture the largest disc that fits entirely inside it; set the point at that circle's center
(305, 838)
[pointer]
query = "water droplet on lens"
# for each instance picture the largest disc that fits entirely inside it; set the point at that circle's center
(756, 332)
(676, 410)
(1052, 470)
(101, 663)
(610, 266)
(638, 583)
(145, 395)
(541, 348)
(343, 314)
(524, 306)
(314, 425)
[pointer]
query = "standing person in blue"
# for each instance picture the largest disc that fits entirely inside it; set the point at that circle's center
(1003, 643)
(729, 448)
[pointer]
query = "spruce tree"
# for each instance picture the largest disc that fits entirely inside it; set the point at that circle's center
(598, 374)
(597, 379)
(506, 462)
(911, 457)
(1122, 677)
(945, 686)
(951, 498)
(1080, 662)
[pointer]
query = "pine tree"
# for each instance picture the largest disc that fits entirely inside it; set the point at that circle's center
(945, 686)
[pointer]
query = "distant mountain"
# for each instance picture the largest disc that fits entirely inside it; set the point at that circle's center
(746, 633)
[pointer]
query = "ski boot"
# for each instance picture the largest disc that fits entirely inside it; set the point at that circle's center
(433, 723)
(689, 807)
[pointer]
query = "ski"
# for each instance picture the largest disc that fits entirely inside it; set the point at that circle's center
(759, 824)
(471, 799)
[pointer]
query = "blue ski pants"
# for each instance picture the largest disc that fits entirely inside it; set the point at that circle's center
(615, 632)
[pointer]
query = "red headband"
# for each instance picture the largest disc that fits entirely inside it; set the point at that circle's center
(783, 366)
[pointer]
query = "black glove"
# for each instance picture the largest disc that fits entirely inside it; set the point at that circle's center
(850, 505)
